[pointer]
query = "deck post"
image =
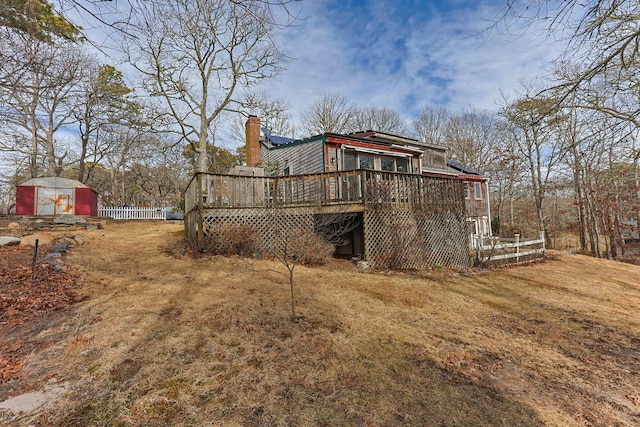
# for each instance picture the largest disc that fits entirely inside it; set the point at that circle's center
(363, 183)
(200, 232)
(517, 236)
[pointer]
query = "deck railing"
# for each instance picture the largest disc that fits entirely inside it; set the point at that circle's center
(373, 188)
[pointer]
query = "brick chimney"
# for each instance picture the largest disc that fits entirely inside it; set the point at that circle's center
(252, 128)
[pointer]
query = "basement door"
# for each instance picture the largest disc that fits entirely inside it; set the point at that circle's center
(54, 201)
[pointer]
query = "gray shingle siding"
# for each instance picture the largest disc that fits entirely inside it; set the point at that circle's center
(301, 159)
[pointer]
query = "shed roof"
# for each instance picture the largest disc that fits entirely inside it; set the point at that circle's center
(53, 182)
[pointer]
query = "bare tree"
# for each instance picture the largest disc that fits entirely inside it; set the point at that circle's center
(331, 112)
(381, 119)
(40, 101)
(430, 125)
(297, 242)
(274, 116)
(273, 112)
(471, 138)
(603, 35)
(120, 18)
(196, 55)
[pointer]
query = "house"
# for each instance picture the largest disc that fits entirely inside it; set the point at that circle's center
(476, 198)
(409, 203)
(330, 152)
(55, 196)
(369, 150)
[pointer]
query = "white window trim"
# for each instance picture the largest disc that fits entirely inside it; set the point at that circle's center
(476, 186)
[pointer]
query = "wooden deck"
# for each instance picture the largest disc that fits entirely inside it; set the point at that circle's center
(408, 220)
(352, 191)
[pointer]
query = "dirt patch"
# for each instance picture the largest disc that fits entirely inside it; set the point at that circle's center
(169, 339)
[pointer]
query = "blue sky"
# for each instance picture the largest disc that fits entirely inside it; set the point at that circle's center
(399, 54)
(404, 54)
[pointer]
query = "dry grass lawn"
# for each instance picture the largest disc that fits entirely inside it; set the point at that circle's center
(167, 339)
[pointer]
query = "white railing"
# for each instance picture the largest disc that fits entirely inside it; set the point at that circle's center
(133, 213)
(494, 249)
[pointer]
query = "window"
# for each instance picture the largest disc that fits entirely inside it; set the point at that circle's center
(402, 165)
(478, 190)
(287, 171)
(358, 160)
(387, 164)
(350, 161)
(366, 161)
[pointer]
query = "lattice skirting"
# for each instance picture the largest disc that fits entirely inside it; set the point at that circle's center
(393, 239)
(414, 239)
(270, 226)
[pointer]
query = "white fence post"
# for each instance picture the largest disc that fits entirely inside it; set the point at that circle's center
(504, 252)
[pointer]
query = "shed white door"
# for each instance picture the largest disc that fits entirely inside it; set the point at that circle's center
(54, 201)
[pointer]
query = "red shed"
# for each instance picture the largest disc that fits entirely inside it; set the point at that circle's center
(55, 196)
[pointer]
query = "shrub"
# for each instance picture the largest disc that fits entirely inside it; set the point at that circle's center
(310, 249)
(240, 240)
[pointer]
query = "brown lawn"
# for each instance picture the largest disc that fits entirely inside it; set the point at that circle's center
(165, 338)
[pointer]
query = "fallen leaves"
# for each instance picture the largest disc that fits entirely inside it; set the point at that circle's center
(26, 295)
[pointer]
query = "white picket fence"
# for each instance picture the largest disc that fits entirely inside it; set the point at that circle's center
(133, 213)
(490, 249)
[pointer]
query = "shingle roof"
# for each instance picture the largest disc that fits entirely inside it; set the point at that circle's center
(463, 168)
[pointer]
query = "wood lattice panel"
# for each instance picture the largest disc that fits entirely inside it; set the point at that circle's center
(410, 239)
(271, 225)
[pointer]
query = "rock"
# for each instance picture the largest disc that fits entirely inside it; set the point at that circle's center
(60, 247)
(69, 241)
(52, 256)
(17, 406)
(13, 225)
(96, 225)
(30, 240)
(70, 220)
(78, 238)
(9, 241)
(363, 265)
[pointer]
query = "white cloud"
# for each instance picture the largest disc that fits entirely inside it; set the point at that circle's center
(403, 58)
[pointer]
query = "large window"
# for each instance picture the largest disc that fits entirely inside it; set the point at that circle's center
(350, 160)
(388, 164)
(366, 161)
(355, 160)
(402, 165)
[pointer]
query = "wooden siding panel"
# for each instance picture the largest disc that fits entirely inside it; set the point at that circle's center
(302, 159)
(332, 154)
(434, 159)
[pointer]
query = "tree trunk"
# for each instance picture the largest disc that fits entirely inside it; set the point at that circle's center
(293, 295)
